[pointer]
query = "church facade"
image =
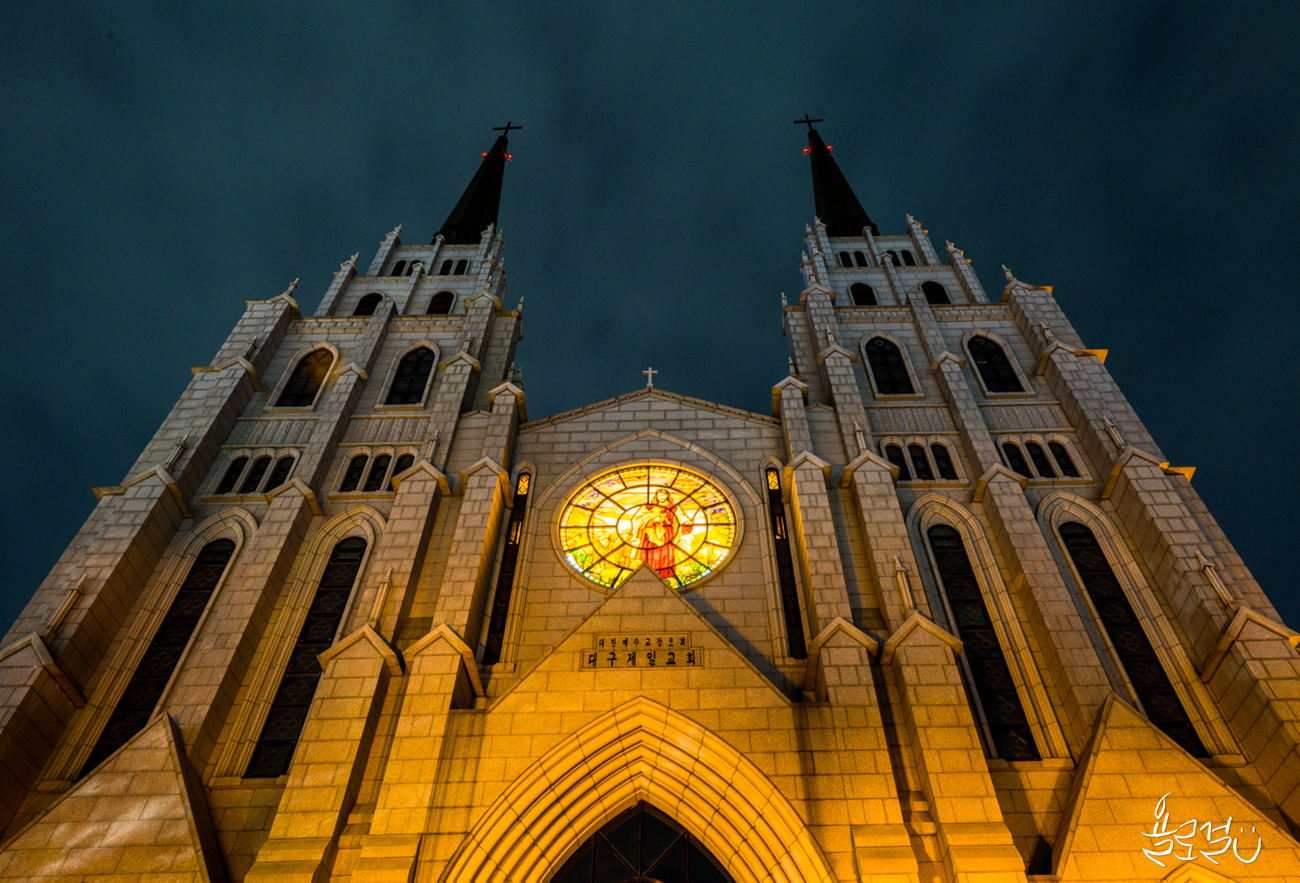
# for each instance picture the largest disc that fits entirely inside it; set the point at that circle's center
(946, 613)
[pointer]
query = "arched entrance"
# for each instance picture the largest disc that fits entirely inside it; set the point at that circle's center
(641, 751)
(641, 844)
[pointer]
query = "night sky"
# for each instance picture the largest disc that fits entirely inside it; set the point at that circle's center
(162, 163)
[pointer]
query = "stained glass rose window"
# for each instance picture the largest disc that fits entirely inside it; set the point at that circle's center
(672, 520)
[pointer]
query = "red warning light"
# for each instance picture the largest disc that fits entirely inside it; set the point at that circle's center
(509, 157)
(830, 147)
(807, 150)
(483, 154)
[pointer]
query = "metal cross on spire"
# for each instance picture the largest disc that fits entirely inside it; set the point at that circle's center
(649, 377)
(808, 121)
(506, 128)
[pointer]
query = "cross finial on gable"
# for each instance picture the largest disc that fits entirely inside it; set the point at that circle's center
(649, 377)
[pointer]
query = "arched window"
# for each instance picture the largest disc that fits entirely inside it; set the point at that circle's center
(399, 269)
(446, 269)
(943, 461)
(860, 259)
(994, 368)
(280, 474)
(1063, 460)
(308, 375)
(356, 469)
(411, 378)
(1041, 463)
(403, 463)
(893, 255)
(888, 368)
(366, 306)
(292, 701)
(254, 477)
(231, 478)
(378, 472)
(506, 575)
(461, 266)
(845, 260)
(785, 567)
(908, 259)
(863, 296)
(641, 844)
(920, 465)
(1126, 635)
(1015, 459)
(440, 303)
(935, 293)
(155, 668)
(894, 454)
(1002, 711)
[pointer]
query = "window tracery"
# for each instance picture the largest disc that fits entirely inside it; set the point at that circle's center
(673, 520)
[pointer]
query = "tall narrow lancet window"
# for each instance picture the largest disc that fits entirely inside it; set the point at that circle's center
(1062, 457)
(994, 367)
(935, 293)
(943, 461)
(260, 465)
(446, 269)
(400, 268)
(920, 465)
(298, 685)
(231, 478)
(506, 575)
(411, 378)
(308, 375)
(404, 462)
(440, 303)
(1040, 459)
(894, 454)
(785, 567)
(908, 259)
(888, 368)
(640, 845)
(1003, 714)
(845, 260)
(356, 469)
(378, 472)
(280, 474)
(366, 306)
(461, 266)
(1016, 459)
(155, 669)
(860, 259)
(863, 295)
(1126, 635)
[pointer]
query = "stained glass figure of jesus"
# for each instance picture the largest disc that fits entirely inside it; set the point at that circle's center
(656, 526)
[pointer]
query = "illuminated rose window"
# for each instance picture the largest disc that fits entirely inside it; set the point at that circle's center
(672, 520)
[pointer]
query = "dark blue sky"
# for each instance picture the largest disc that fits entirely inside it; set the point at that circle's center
(163, 163)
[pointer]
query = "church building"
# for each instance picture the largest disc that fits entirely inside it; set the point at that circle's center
(946, 613)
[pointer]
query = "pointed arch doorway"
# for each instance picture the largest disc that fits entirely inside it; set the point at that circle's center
(640, 751)
(641, 845)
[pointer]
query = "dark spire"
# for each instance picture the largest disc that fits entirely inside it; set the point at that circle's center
(479, 203)
(837, 206)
